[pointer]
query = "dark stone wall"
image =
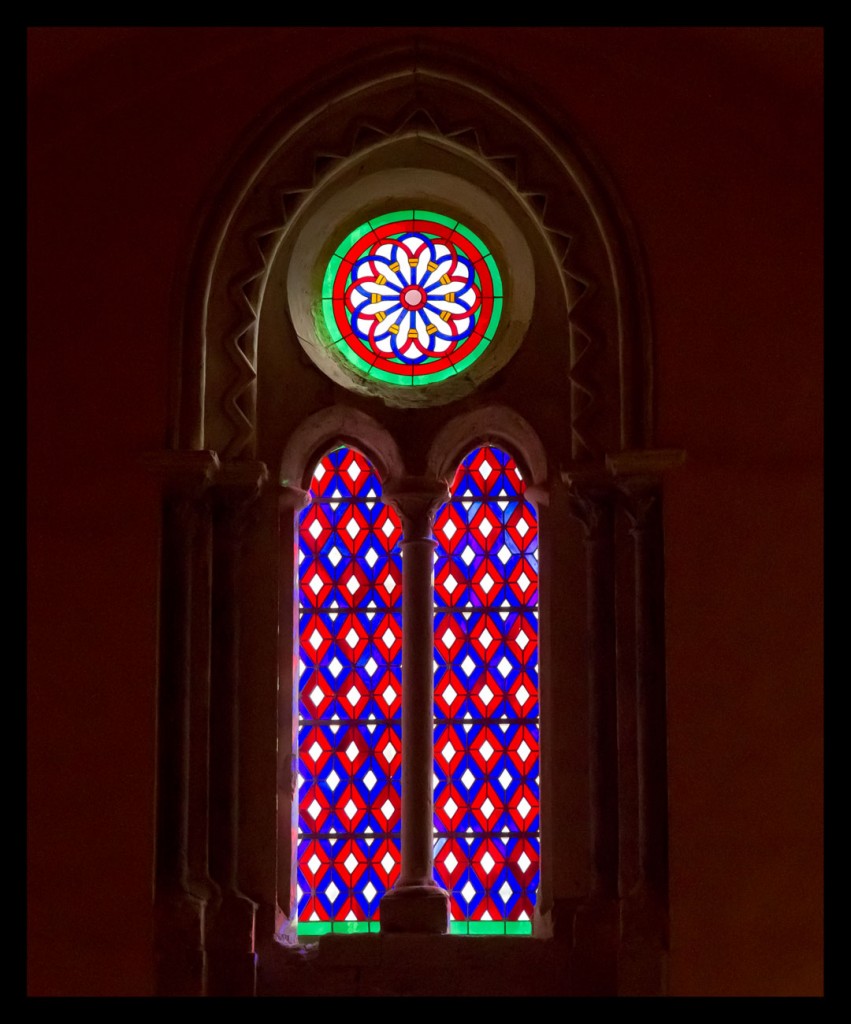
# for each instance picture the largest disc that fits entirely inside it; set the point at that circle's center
(714, 140)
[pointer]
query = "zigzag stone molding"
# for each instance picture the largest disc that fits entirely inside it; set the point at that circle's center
(607, 350)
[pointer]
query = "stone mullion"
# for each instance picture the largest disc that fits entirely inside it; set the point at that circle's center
(592, 504)
(416, 903)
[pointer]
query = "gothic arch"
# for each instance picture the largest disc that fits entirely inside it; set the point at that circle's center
(572, 400)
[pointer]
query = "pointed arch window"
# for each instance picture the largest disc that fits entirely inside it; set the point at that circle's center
(350, 744)
(485, 709)
(486, 697)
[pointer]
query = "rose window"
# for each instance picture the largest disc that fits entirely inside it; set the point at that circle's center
(411, 298)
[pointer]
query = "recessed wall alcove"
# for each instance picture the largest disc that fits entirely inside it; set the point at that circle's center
(565, 389)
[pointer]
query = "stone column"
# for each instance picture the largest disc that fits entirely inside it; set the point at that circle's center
(291, 501)
(231, 914)
(596, 923)
(180, 902)
(644, 911)
(416, 903)
(592, 503)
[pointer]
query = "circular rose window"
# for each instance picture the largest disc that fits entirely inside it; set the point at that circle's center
(411, 298)
(411, 285)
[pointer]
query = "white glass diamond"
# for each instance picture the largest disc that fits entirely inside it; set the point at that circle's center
(388, 527)
(315, 639)
(369, 891)
(448, 637)
(522, 640)
(353, 470)
(524, 807)
(468, 892)
(487, 583)
(486, 693)
(389, 752)
(389, 584)
(314, 864)
(371, 557)
(488, 862)
(523, 861)
(450, 529)
(387, 862)
(331, 891)
(449, 693)
(467, 555)
(350, 863)
(448, 751)
(315, 584)
(352, 751)
(352, 528)
(370, 779)
(333, 780)
(388, 637)
(353, 584)
(387, 808)
(486, 638)
(487, 750)
(468, 778)
(487, 807)
(352, 637)
(523, 582)
(467, 665)
(524, 750)
(505, 778)
(314, 808)
(522, 526)
(316, 696)
(450, 806)
(371, 665)
(319, 472)
(351, 809)
(451, 861)
(353, 696)
(314, 529)
(505, 892)
(504, 666)
(504, 553)
(315, 750)
(451, 583)
(334, 556)
(522, 695)
(335, 667)
(485, 469)
(486, 528)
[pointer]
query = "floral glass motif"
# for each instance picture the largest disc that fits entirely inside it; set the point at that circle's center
(486, 794)
(350, 744)
(411, 298)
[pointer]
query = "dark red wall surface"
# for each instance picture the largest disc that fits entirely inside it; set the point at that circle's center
(714, 140)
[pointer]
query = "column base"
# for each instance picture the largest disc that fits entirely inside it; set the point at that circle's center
(422, 909)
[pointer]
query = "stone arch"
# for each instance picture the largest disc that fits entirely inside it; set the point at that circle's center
(337, 425)
(423, 96)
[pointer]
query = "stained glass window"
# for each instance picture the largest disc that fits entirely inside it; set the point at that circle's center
(411, 298)
(485, 707)
(486, 697)
(350, 745)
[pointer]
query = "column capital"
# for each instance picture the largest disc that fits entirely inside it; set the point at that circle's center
(416, 499)
(649, 463)
(292, 498)
(590, 496)
(186, 472)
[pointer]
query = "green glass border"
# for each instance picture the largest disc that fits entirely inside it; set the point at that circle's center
(332, 338)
